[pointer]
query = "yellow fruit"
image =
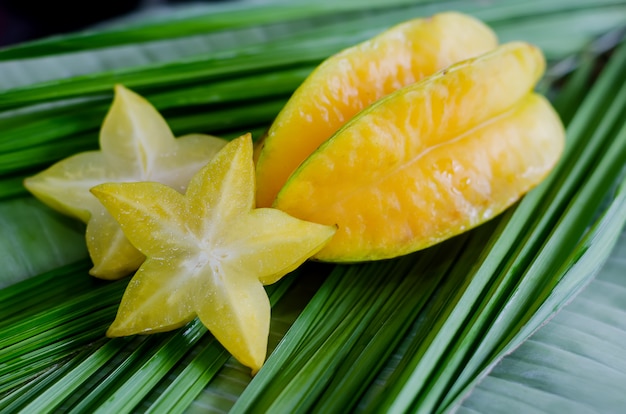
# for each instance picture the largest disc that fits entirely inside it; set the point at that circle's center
(136, 145)
(209, 253)
(348, 82)
(431, 160)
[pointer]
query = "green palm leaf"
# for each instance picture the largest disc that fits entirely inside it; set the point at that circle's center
(26, 225)
(456, 327)
(576, 362)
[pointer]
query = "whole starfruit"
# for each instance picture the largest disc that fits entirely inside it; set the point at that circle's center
(432, 159)
(346, 83)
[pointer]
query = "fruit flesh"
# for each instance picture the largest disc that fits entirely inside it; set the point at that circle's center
(136, 145)
(348, 82)
(209, 253)
(431, 160)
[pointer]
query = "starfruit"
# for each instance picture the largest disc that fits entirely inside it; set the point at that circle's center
(346, 83)
(432, 159)
(209, 253)
(136, 145)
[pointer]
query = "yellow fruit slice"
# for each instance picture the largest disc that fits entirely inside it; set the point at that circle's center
(431, 160)
(348, 82)
(137, 145)
(209, 253)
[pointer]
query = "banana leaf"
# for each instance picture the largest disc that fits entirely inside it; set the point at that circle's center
(467, 326)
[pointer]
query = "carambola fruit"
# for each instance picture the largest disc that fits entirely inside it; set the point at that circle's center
(432, 159)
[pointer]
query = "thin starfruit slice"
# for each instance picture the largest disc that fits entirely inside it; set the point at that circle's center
(209, 253)
(136, 145)
(346, 83)
(431, 160)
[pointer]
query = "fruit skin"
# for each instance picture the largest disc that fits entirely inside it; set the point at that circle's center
(346, 83)
(209, 253)
(431, 160)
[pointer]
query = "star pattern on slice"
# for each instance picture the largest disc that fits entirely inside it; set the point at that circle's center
(136, 145)
(209, 253)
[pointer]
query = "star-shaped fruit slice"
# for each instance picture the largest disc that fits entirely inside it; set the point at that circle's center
(136, 145)
(209, 253)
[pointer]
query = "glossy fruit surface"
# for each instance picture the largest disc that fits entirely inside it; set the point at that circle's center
(136, 145)
(431, 160)
(348, 82)
(208, 253)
